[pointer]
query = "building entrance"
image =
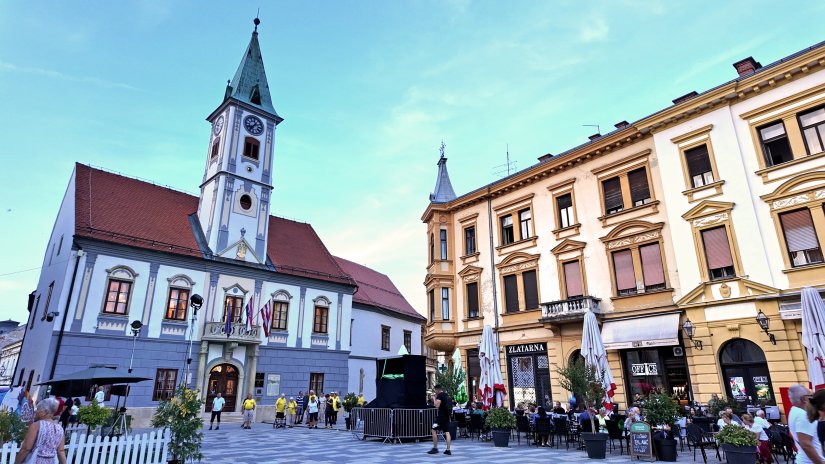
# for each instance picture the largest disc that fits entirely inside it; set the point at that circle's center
(223, 379)
(529, 373)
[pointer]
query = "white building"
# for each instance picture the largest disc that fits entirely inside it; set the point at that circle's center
(382, 322)
(11, 339)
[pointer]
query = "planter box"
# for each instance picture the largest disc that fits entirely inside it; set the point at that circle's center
(501, 438)
(595, 444)
(739, 454)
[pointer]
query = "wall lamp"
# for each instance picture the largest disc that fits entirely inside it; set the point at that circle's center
(689, 329)
(765, 322)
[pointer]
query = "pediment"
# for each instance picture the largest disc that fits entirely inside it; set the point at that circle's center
(726, 291)
(517, 257)
(631, 228)
(708, 208)
(469, 270)
(241, 251)
(568, 245)
(801, 189)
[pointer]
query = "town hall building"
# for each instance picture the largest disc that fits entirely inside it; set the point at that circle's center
(126, 253)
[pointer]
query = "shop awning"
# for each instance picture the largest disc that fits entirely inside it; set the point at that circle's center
(641, 332)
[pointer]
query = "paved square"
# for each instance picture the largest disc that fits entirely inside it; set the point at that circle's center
(263, 444)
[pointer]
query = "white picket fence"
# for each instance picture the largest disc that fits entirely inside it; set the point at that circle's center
(145, 448)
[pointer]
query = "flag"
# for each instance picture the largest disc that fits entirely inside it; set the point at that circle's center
(249, 314)
(266, 316)
(228, 316)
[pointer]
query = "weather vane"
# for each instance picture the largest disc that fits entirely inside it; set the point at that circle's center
(441, 148)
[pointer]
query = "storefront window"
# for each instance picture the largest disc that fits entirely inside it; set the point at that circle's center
(745, 373)
(656, 371)
(529, 374)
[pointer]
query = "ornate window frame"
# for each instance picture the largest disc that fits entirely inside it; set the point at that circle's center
(559, 190)
(512, 208)
(469, 275)
(569, 251)
(123, 273)
(517, 264)
(689, 141)
(710, 214)
(179, 282)
(280, 296)
(620, 169)
(632, 235)
(466, 223)
(324, 303)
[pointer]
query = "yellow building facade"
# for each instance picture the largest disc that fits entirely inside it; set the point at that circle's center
(678, 230)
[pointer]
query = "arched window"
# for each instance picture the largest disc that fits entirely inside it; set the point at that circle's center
(575, 356)
(745, 372)
(280, 309)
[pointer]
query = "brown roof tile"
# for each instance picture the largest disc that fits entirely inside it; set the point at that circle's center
(376, 289)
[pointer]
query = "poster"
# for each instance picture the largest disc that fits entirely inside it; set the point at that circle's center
(273, 384)
(763, 389)
(737, 388)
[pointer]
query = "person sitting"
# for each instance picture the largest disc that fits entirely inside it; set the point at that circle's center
(584, 416)
(725, 419)
(763, 449)
(479, 409)
(733, 416)
(601, 419)
(541, 439)
(558, 409)
(633, 415)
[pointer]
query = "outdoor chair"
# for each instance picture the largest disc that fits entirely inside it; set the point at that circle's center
(560, 431)
(461, 424)
(523, 426)
(698, 439)
(542, 429)
(781, 443)
(615, 433)
(477, 426)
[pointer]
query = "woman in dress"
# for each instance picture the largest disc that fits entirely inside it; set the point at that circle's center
(45, 439)
(763, 448)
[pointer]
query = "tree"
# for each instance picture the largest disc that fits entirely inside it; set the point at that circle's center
(450, 380)
(585, 382)
(182, 416)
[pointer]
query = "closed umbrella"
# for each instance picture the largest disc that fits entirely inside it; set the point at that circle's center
(595, 355)
(491, 389)
(813, 335)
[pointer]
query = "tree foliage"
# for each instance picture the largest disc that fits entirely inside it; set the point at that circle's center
(660, 409)
(585, 382)
(450, 381)
(12, 428)
(93, 415)
(182, 416)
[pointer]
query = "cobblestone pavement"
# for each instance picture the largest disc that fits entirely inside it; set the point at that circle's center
(263, 444)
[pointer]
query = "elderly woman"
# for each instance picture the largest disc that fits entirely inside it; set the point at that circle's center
(45, 439)
(763, 449)
(601, 418)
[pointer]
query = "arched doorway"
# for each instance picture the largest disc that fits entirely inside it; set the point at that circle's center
(745, 372)
(575, 356)
(223, 379)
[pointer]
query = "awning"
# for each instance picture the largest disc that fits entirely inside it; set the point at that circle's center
(642, 332)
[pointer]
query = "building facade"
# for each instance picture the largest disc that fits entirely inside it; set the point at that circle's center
(383, 322)
(643, 227)
(11, 338)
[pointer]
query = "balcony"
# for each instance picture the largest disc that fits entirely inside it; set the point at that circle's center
(571, 309)
(216, 331)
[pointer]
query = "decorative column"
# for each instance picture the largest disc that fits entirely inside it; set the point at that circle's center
(203, 378)
(251, 370)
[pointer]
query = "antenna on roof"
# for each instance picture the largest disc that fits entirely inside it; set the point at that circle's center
(598, 129)
(504, 170)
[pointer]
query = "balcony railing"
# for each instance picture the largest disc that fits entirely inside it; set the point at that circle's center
(569, 309)
(238, 333)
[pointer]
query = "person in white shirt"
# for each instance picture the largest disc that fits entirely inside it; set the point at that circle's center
(217, 407)
(760, 419)
(100, 396)
(803, 430)
(725, 419)
(763, 448)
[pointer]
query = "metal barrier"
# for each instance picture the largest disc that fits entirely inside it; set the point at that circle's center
(392, 424)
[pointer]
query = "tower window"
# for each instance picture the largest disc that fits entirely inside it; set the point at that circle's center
(251, 146)
(246, 202)
(215, 147)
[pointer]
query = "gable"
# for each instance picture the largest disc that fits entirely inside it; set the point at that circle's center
(729, 290)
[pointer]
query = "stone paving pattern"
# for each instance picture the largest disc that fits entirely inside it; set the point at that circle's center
(263, 444)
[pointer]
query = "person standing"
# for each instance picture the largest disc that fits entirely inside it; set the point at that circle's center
(100, 397)
(217, 408)
(248, 411)
(292, 410)
(66, 413)
(312, 410)
(301, 407)
(44, 440)
(763, 447)
(75, 409)
(280, 412)
(336, 405)
(305, 407)
(803, 431)
(322, 408)
(326, 406)
(444, 404)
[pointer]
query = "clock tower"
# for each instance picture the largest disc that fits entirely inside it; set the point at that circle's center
(235, 193)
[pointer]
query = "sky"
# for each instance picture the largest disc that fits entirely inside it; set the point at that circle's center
(368, 90)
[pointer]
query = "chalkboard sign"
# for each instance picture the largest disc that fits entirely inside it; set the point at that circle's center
(641, 442)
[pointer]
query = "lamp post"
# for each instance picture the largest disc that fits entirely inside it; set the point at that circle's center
(136, 326)
(689, 330)
(764, 322)
(195, 301)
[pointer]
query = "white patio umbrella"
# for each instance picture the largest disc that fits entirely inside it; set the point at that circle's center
(595, 355)
(490, 386)
(813, 335)
(462, 386)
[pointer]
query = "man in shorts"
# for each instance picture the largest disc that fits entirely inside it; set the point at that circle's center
(280, 410)
(444, 404)
(248, 412)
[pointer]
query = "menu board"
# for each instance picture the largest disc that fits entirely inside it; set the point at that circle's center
(641, 444)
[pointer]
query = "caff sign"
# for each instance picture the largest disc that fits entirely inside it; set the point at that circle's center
(643, 369)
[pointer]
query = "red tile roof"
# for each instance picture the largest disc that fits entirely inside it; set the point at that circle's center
(376, 289)
(128, 211)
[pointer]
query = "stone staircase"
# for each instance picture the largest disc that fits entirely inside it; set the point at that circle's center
(226, 418)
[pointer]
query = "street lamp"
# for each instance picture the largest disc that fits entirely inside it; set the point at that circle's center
(764, 322)
(688, 328)
(135, 327)
(195, 301)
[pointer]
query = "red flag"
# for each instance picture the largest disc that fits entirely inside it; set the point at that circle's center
(266, 316)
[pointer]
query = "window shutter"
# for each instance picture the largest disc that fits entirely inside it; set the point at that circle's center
(717, 248)
(698, 160)
(639, 190)
(510, 293)
(612, 194)
(573, 279)
(623, 266)
(799, 230)
(652, 269)
(531, 292)
(472, 300)
(565, 201)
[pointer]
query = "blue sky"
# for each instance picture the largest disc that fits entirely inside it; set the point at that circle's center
(368, 90)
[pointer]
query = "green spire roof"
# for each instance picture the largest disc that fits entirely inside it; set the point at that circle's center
(249, 84)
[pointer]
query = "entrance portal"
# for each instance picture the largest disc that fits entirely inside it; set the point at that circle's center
(223, 379)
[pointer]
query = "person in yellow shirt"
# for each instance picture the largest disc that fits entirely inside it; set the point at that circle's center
(336, 403)
(361, 400)
(248, 412)
(280, 409)
(291, 411)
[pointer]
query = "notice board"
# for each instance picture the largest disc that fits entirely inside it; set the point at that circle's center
(641, 442)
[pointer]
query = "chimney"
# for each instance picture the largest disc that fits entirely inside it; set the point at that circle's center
(622, 125)
(747, 66)
(594, 136)
(685, 97)
(544, 158)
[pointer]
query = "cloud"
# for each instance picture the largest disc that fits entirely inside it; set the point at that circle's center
(5, 66)
(594, 30)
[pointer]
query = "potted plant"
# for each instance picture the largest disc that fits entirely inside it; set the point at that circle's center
(350, 402)
(660, 411)
(93, 416)
(501, 422)
(586, 384)
(182, 416)
(738, 443)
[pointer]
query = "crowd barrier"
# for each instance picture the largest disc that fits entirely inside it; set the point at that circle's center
(392, 425)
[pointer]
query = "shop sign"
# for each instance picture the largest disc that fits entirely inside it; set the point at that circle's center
(737, 388)
(642, 369)
(640, 344)
(641, 444)
(527, 348)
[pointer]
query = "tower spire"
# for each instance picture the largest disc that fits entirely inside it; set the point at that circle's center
(250, 84)
(443, 191)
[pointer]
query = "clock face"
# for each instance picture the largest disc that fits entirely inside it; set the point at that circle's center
(218, 126)
(253, 125)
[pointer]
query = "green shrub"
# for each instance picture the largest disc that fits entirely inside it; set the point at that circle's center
(12, 428)
(93, 416)
(736, 435)
(182, 416)
(500, 418)
(660, 409)
(350, 401)
(719, 404)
